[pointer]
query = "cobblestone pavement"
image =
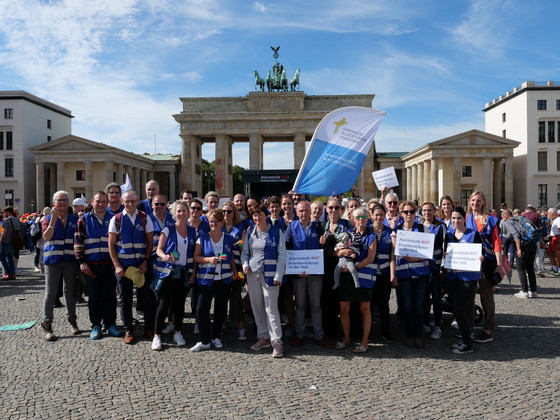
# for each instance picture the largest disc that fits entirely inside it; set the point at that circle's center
(516, 376)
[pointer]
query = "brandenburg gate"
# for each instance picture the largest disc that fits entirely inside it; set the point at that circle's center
(284, 116)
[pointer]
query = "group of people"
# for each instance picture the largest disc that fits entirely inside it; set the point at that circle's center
(166, 251)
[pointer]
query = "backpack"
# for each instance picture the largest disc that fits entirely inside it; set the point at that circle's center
(529, 232)
(118, 221)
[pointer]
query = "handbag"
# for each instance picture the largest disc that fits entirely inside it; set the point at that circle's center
(17, 237)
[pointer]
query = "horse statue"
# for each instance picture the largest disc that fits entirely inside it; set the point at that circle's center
(295, 81)
(269, 82)
(283, 81)
(259, 81)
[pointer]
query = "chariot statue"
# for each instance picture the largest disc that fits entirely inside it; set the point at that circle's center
(277, 79)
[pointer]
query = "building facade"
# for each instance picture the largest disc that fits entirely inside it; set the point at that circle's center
(530, 114)
(25, 121)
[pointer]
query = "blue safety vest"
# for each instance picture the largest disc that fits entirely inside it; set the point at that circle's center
(300, 239)
(96, 243)
(205, 274)
(237, 233)
(404, 269)
(468, 237)
(61, 245)
(270, 252)
(367, 274)
(131, 243)
(485, 234)
(146, 206)
(167, 223)
(162, 268)
(383, 260)
(439, 232)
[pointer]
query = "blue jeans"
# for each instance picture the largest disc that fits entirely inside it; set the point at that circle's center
(126, 291)
(102, 303)
(7, 257)
(219, 291)
(413, 292)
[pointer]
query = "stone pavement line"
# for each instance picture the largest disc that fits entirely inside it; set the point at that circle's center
(516, 376)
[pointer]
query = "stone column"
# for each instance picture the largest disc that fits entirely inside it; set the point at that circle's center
(434, 193)
(299, 150)
(89, 180)
(457, 179)
(498, 180)
(408, 192)
(487, 180)
(420, 183)
(255, 152)
(366, 184)
(119, 173)
(109, 166)
(191, 164)
(427, 182)
(40, 185)
(404, 181)
(143, 179)
(149, 175)
(172, 185)
(60, 177)
(52, 182)
(136, 183)
(441, 188)
(508, 185)
(224, 179)
(414, 189)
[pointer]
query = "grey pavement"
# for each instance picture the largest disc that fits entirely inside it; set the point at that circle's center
(516, 376)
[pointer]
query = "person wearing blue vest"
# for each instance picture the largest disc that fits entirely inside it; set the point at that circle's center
(60, 261)
(91, 246)
(461, 285)
(487, 226)
(362, 237)
(161, 218)
(130, 245)
(264, 259)
(302, 235)
(212, 199)
(382, 287)
(411, 275)
(393, 218)
(214, 256)
(173, 271)
(196, 219)
(152, 189)
(433, 291)
(114, 192)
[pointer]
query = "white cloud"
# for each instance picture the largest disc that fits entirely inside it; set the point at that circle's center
(259, 7)
(192, 76)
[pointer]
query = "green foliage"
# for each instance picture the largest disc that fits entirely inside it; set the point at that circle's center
(209, 177)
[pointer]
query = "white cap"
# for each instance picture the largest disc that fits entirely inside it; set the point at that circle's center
(79, 202)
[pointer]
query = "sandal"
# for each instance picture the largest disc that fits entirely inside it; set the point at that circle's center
(340, 345)
(359, 349)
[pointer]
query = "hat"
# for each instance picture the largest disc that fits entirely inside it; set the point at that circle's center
(135, 275)
(79, 202)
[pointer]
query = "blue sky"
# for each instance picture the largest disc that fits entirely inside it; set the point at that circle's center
(121, 66)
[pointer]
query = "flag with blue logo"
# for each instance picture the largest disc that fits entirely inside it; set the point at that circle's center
(338, 150)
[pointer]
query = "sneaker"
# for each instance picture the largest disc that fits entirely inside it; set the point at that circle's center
(482, 337)
(540, 274)
(95, 333)
(199, 346)
(242, 334)
(47, 327)
(195, 331)
(114, 331)
(462, 349)
(436, 333)
(156, 343)
(260, 344)
(454, 325)
(426, 329)
(36, 270)
(532, 294)
(169, 329)
(277, 350)
(521, 295)
(456, 345)
(178, 339)
(216, 342)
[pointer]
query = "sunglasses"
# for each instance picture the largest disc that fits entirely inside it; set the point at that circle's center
(196, 208)
(227, 211)
(334, 207)
(160, 204)
(392, 203)
(408, 211)
(361, 217)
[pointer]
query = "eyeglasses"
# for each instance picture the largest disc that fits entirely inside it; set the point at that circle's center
(392, 203)
(227, 211)
(61, 200)
(196, 208)
(160, 204)
(361, 217)
(408, 211)
(334, 207)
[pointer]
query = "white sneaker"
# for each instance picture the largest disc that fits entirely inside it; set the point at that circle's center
(178, 338)
(521, 295)
(156, 343)
(199, 346)
(454, 325)
(436, 333)
(216, 342)
(195, 331)
(532, 294)
(169, 329)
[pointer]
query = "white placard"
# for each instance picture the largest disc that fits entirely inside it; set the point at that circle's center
(463, 256)
(309, 261)
(385, 178)
(415, 244)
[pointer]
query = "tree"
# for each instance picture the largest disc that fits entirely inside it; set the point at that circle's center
(208, 176)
